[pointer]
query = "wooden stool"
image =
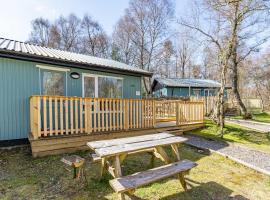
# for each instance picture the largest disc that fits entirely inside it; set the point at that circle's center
(77, 163)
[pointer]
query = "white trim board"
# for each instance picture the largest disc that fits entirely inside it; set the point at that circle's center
(52, 68)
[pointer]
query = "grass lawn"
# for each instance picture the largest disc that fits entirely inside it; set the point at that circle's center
(215, 177)
(258, 116)
(238, 134)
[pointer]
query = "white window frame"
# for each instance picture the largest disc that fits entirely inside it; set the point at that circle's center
(96, 76)
(208, 90)
(49, 68)
(195, 89)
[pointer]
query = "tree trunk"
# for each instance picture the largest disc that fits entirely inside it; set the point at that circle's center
(183, 71)
(146, 85)
(235, 90)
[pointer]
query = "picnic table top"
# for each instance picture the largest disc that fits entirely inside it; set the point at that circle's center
(106, 148)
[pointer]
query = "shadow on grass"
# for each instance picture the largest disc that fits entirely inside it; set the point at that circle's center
(205, 191)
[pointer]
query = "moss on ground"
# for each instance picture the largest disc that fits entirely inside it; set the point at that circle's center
(215, 177)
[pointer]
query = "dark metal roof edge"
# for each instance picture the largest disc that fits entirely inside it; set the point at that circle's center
(60, 62)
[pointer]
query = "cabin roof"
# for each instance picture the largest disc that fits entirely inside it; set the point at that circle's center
(180, 82)
(27, 51)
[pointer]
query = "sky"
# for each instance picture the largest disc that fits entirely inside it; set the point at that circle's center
(16, 15)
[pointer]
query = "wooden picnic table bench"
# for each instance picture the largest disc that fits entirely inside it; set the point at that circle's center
(131, 182)
(116, 150)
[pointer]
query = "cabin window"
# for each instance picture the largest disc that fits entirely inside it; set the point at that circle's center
(210, 92)
(89, 86)
(52, 80)
(102, 86)
(110, 87)
(53, 83)
(197, 92)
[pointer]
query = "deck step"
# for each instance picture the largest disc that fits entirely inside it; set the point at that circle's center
(139, 179)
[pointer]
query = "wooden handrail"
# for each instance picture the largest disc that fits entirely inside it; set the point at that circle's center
(60, 115)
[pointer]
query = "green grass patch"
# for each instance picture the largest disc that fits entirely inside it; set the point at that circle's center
(238, 134)
(215, 177)
(257, 116)
(262, 117)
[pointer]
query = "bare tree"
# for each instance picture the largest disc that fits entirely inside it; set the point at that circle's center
(252, 19)
(184, 54)
(95, 42)
(69, 31)
(149, 20)
(166, 59)
(122, 43)
(223, 35)
(41, 32)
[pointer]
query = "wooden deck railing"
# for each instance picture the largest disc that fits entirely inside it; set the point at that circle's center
(189, 112)
(58, 115)
(166, 110)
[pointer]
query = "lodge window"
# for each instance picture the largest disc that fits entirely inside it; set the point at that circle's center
(52, 81)
(102, 86)
(197, 92)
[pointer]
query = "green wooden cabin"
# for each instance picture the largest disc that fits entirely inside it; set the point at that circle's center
(28, 69)
(178, 87)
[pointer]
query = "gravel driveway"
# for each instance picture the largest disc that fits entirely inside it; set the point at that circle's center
(254, 159)
(258, 126)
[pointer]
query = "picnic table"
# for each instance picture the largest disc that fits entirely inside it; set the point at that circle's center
(116, 150)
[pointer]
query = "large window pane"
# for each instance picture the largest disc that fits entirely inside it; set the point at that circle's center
(53, 83)
(89, 86)
(110, 87)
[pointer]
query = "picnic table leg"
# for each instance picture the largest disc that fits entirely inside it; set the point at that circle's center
(181, 175)
(182, 181)
(161, 154)
(103, 167)
(118, 173)
(176, 151)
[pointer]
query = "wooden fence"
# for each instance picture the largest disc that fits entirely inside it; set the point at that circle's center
(166, 110)
(57, 115)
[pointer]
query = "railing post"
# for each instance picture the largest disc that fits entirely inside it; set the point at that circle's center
(126, 114)
(177, 114)
(154, 113)
(35, 116)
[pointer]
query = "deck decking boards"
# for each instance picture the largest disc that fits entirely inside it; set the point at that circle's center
(72, 143)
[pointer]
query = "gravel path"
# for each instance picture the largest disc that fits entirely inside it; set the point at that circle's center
(259, 126)
(254, 159)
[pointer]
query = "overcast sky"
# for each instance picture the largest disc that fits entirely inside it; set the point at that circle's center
(16, 15)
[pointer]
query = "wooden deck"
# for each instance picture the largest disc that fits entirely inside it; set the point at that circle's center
(68, 143)
(65, 124)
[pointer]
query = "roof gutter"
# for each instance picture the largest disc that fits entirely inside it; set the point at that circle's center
(66, 63)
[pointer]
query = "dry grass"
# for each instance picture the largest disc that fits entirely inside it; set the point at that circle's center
(23, 177)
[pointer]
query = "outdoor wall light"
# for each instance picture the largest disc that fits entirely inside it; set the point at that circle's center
(75, 75)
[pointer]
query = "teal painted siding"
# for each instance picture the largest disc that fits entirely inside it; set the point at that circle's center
(20, 79)
(178, 92)
(184, 92)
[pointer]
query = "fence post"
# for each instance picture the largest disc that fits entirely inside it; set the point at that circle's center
(154, 113)
(35, 116)
(177, 114)
(126, 114)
